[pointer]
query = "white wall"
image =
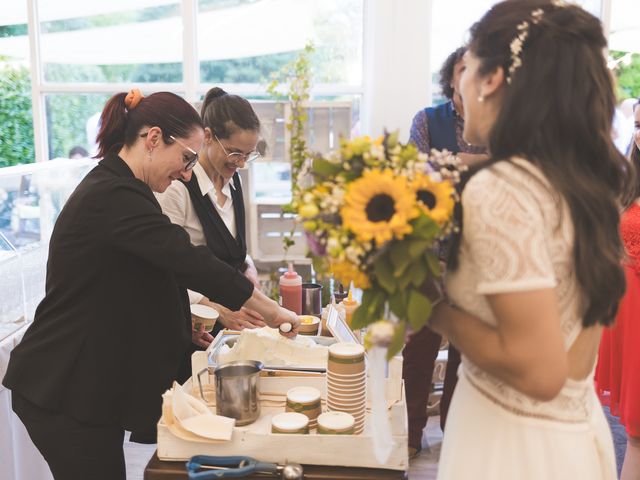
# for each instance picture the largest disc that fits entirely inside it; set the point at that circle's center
(397, 73)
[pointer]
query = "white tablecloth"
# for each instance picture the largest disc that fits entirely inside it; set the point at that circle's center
(19, 458)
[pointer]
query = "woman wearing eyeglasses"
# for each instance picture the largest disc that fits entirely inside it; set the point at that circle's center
(109, 335)
(210, 206)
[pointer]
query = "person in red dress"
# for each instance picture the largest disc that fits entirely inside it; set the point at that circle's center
(618, 370)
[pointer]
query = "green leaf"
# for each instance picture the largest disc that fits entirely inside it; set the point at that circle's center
(319, 263)
(398, 304)
(370, 310)
(417, 273)
(417, 247)
(360, 319)
(433, 262)
(392, 139)
(425, 228)
(288, 208)
(325, 168)
(350, 176)
(384, 273)
(404, 281)
(419, 310)
(374, 306)
(397, 341)
(400, 258)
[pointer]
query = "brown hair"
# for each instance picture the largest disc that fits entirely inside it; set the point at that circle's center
(120, 126)
(224, 113)
(557, 113)
(446, 71)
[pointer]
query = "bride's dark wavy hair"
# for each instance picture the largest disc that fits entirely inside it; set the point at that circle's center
(557, 113)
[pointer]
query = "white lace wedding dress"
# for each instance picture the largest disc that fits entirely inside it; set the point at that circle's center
(518, 236)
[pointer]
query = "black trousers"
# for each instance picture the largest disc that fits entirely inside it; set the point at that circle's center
(73, 450)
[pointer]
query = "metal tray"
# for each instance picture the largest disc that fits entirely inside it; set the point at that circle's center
(229, 339)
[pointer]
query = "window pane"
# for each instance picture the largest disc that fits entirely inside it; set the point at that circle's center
(244, 41)
(625, 48)
(72, 121)
(450, 26)
(132, 42)
(16, 120)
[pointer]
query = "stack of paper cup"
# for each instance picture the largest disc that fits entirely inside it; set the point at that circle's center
(305, 400)
(346, 382)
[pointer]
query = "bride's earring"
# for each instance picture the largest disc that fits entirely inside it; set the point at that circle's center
(481, 98)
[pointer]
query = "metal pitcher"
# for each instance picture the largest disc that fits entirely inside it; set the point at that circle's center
(312, 299)
(238, 390)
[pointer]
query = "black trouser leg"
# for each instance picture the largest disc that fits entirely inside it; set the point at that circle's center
(73, 450)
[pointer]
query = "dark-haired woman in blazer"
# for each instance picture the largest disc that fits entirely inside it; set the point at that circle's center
(109, 334)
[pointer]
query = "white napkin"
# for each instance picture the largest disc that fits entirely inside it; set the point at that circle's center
(194, 416)
(380, 426)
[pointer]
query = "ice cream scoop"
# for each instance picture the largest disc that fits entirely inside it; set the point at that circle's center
(285, 327)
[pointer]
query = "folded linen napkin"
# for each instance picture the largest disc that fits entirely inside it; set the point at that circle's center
(193, 415)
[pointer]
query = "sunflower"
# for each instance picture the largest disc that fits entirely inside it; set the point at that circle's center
(435, 199)
(346, 272)
(378, 206)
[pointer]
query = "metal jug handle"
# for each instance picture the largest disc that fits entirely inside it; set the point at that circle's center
(206, 369)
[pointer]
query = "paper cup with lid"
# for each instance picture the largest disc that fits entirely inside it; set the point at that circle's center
(346, 359)
(336, 423)
(305, 400)
(290, 422)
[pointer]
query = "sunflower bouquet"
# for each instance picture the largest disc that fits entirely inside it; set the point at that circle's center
(374, 213)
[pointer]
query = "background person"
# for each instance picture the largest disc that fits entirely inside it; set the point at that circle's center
(441, 128)
(618, 371)
(78, 152)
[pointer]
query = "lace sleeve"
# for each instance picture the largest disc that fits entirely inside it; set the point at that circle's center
(504, 234)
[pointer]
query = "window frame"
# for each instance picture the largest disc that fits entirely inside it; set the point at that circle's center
(376, 81)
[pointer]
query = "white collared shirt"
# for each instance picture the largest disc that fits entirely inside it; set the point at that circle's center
(176, 204)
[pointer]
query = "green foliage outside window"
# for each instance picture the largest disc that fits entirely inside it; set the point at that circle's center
(628, 76)
(16, 119)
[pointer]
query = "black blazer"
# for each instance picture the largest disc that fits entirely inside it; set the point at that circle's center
(109, 335)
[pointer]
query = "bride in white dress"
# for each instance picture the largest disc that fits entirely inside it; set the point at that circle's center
(537, 271)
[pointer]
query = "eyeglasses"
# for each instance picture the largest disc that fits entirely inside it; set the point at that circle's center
(189, 162)
(237, 157)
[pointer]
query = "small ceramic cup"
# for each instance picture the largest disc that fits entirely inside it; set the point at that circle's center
(309, 324)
